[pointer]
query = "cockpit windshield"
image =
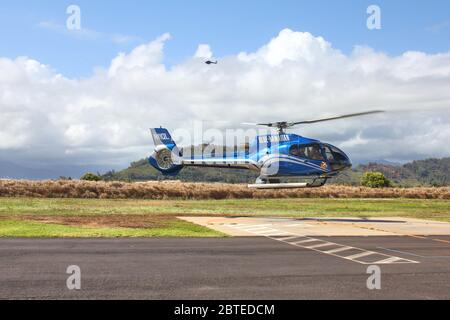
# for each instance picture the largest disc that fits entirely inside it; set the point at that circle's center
(337, 158)
(334, 154)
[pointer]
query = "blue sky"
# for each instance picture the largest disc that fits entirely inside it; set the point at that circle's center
(228, 26)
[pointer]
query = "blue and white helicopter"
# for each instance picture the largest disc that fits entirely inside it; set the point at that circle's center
(279, 158)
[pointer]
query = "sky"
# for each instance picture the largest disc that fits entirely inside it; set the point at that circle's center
(228, 26)
(89, 96)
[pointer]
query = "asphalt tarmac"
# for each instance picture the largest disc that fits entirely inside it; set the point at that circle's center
(221, 268)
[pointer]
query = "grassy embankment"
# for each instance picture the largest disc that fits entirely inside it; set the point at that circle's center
(27, 217)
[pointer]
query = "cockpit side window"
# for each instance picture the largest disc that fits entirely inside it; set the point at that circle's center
(293, 151)
(328, 153)
(313, 152)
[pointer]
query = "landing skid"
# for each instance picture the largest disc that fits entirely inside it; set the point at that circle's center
(262, 183)
(278, 185)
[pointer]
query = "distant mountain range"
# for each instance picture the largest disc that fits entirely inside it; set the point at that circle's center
(424, 172)
(430, 172)
(15, 171)
(434, 172)
(9, 170)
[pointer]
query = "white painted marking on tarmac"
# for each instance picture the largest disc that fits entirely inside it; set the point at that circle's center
(271, 233)
(342, 248)
(388, 260)
(402, 252)
(414, 255)
(321, 245)
(361, 255)
(288, 238)
(304, 241)
(280, 234)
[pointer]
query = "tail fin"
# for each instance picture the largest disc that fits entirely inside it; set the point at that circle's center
(166, 157)
(161, 136)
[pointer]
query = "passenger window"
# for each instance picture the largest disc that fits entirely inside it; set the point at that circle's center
(308, 151)
(294, 151)
(313, 152)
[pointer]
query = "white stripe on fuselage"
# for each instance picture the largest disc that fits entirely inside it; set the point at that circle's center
(248, 163)
(282, 157)
(232, 163)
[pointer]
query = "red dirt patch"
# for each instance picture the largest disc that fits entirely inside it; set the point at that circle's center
(111, 221)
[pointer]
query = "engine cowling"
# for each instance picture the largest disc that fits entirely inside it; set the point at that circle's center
(166, 161)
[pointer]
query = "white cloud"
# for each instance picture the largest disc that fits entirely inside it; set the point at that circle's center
(143, 58)
(105, 118)
(300, 47)
(204, 51)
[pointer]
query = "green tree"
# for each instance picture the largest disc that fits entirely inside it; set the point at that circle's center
(375, 180)
(91, 177)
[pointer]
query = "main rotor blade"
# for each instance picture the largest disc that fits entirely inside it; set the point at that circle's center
(336, 118)
(258, 124)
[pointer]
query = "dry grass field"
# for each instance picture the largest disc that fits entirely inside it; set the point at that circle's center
(198, 191)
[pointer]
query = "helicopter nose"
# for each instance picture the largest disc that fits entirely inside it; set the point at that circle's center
(338, 159)
(348, 163)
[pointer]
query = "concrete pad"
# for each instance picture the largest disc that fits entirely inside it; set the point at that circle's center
(391, 226)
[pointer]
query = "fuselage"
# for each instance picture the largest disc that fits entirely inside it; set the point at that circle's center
(281, 155)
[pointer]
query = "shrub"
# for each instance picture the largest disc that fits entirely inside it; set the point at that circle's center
(375, 180)
(90, 177)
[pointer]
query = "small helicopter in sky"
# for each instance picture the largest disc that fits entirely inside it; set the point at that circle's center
(279, 158)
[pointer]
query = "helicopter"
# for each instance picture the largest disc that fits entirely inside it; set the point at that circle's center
(281, 159)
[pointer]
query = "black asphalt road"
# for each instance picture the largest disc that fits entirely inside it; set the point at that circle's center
(229, 268)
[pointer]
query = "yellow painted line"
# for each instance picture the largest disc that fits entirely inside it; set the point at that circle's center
(441, 240)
